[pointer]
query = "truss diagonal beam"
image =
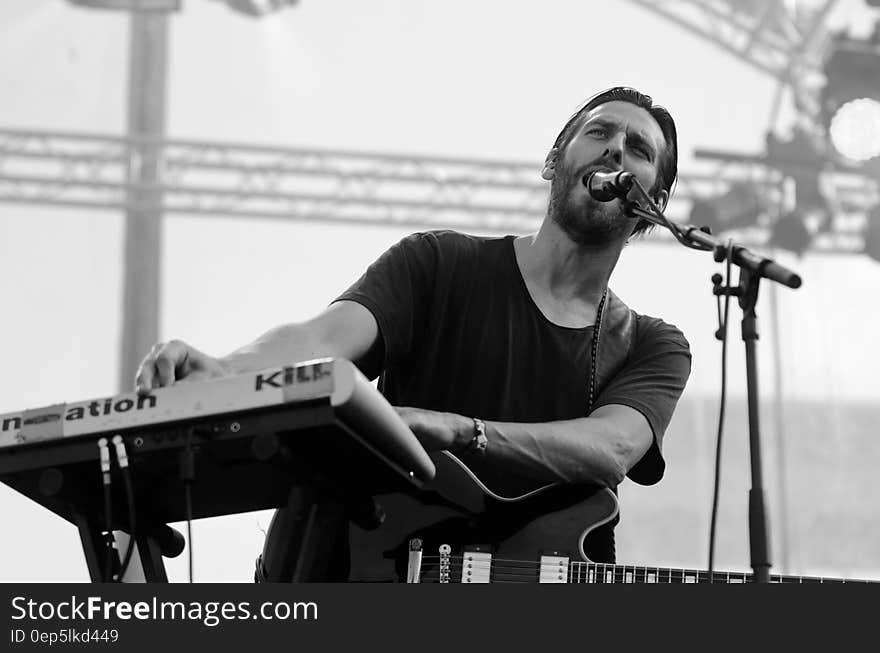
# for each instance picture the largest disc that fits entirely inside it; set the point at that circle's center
(784, 41)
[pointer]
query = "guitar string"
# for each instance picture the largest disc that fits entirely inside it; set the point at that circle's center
(659, 579)
(616, 575)
(640, 575)
(617, 571)
(579, 569)
(608, 575)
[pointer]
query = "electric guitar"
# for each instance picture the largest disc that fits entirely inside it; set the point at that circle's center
(458, 530)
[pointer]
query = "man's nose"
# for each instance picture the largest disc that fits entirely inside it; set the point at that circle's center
(614, 150)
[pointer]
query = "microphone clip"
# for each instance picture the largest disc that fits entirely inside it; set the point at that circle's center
(605, 186)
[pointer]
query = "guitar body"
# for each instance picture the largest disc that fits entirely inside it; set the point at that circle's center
(459, 530)
(457, 510)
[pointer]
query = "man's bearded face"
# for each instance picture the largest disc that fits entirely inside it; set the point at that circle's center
(585, 220)
(612, 136)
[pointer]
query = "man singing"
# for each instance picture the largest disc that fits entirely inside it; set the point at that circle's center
(510, 352)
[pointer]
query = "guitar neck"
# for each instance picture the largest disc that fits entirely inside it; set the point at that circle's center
(590, 572)
(482, 568)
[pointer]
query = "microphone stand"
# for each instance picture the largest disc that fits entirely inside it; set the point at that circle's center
(753, 268)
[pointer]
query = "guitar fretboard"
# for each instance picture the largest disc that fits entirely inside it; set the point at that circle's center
(519, 571)
(588, 572)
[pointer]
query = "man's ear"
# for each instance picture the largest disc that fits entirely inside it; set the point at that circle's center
(549, 170)
(661, 198)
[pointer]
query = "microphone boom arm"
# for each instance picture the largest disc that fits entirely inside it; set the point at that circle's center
(696, 238)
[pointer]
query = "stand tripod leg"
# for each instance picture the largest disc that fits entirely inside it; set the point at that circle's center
(150, 555)
(93, 543)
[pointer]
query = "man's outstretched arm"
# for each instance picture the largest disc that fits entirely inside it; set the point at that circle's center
(344, 330)
(599, 449)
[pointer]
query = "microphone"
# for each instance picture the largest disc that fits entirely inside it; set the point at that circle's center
(605, 186)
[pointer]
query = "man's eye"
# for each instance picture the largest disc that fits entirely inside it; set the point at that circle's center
(598, 131)
(642, 152)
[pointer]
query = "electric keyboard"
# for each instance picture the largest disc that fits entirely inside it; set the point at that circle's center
(208, 405)
(242, 443)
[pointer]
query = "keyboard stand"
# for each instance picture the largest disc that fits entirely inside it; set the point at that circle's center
(307, 539)
(148, 549)
(93, 543)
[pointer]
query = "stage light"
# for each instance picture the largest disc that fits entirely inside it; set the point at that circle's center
(739, 207)
(855, 129)
(801, 157)
(790, 233)
(850, 99)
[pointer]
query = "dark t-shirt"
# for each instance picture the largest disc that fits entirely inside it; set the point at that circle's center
(461, 333)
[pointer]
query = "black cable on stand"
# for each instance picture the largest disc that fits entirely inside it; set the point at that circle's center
(187, 474)
(109, 541)
(606, 186)
(720, 334)
(122, 461)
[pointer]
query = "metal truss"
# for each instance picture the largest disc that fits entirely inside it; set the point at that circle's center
(785, 40)
(226, 179)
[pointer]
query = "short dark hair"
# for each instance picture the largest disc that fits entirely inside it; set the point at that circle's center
(668, 166)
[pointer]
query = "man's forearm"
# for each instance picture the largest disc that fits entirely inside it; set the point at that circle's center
(599, 449)
(285, 344)
(584, 450)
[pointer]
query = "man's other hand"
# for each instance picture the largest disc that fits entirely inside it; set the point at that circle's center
(169, 362)
(435, 430)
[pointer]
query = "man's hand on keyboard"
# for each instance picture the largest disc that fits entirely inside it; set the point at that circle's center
(169, 362)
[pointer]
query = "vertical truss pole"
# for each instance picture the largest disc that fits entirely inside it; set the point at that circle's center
(146, 118)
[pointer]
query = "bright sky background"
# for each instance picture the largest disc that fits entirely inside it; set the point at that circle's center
(465, 78)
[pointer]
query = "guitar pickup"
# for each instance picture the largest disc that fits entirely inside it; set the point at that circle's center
(476, 564)
(553, 569)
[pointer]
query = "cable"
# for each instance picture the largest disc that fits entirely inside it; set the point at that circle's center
(722, 333)
(122, 460)
(187, 473)
(189, 533)
(104, 454)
